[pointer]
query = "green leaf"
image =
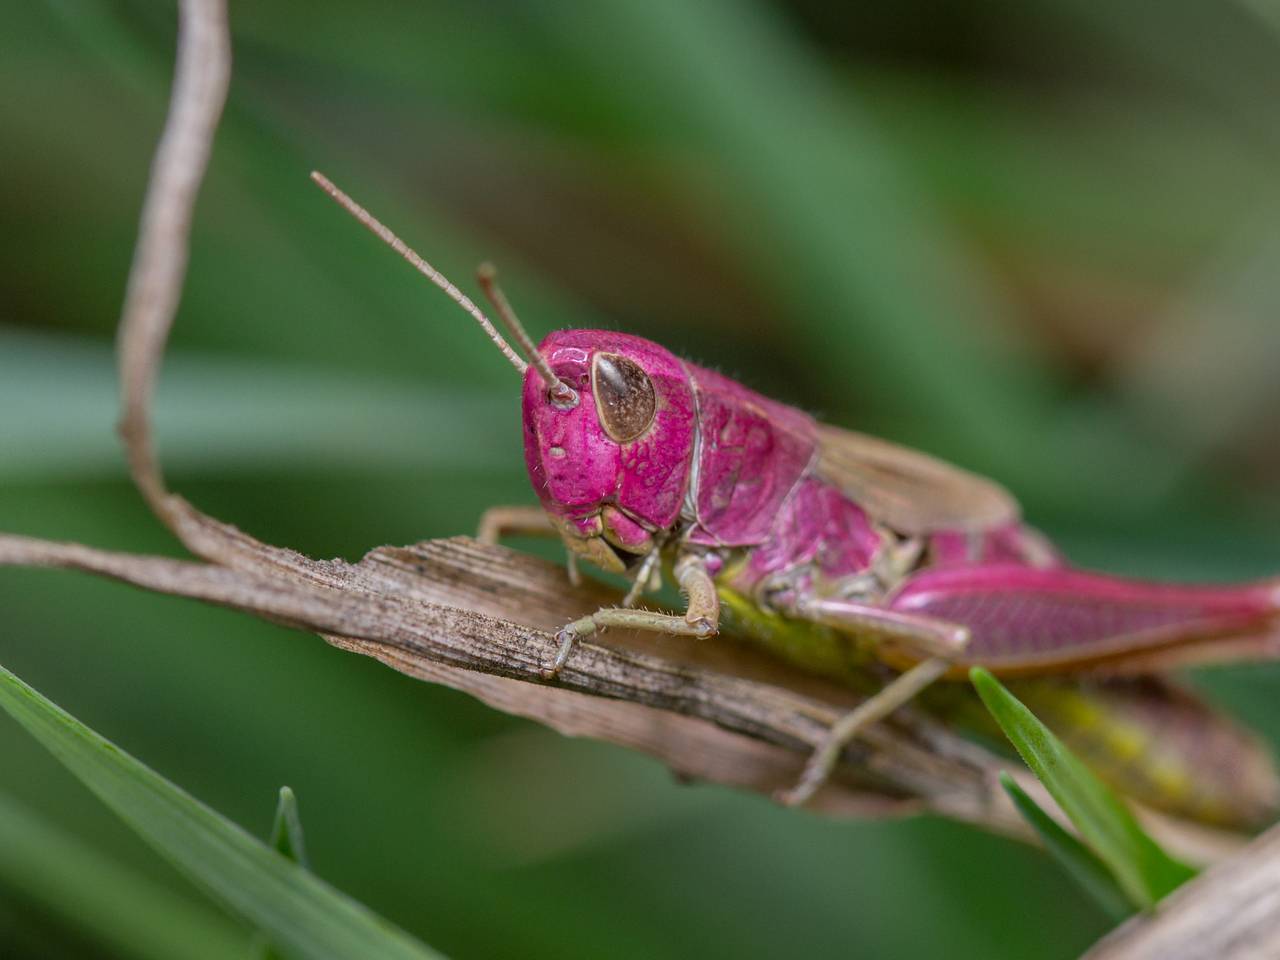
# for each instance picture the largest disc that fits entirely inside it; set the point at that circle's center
(1079, 861)
(1144, 871)
(129, 914)
(303, 916)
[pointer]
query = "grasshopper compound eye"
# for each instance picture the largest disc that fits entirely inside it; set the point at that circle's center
(624, 396)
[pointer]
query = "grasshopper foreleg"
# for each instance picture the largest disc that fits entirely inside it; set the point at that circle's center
(701, 617)
(499, 522)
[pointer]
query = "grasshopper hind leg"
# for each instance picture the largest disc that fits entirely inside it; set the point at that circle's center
(938, 642)
(826, 755)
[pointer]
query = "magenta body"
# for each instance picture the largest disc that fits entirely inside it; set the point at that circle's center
(733, 475)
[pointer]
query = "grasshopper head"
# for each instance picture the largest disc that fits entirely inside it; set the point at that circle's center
(610, 453)
(608, 419)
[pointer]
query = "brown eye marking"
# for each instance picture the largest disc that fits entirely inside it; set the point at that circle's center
(624, 396)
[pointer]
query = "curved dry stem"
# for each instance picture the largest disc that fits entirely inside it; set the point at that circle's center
(159, 267)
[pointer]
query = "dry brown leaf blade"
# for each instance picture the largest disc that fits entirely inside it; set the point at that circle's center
(713, 713)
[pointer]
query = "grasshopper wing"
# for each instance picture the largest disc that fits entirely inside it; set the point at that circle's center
(909, 491)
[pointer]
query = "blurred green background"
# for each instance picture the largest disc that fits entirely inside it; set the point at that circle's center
(1040, 239)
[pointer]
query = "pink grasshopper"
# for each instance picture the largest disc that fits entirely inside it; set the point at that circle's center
(815, 535)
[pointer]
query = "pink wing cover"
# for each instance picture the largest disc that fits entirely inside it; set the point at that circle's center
(1025, 619)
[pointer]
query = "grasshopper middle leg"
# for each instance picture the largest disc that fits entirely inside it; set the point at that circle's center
(644, 578)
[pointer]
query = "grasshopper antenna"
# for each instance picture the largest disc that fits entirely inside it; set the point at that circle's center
(431, 273)
(487, 275)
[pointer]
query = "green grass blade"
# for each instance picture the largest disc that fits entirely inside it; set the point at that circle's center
(1142, 868)
(286, 839)
(303, 916)
(1079, 861)
(131, 915)
(286, 832)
